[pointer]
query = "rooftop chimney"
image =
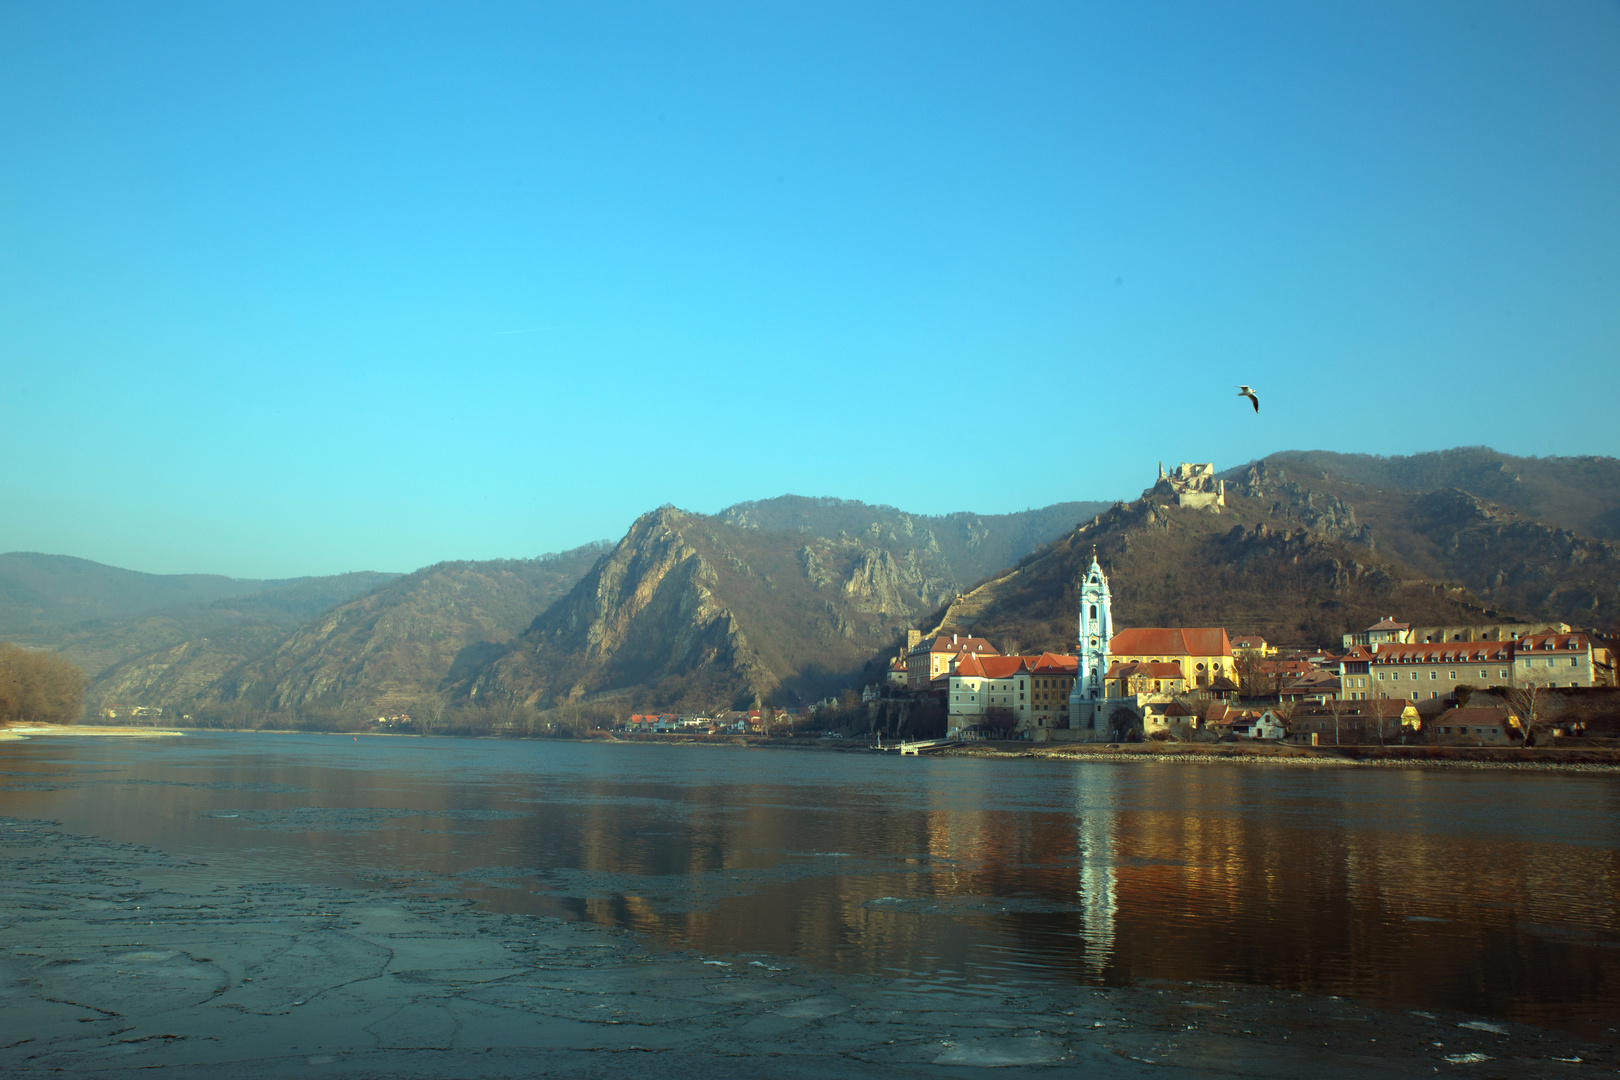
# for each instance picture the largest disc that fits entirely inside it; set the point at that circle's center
(953, 639)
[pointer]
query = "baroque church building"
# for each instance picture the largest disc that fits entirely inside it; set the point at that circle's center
(1129, 680)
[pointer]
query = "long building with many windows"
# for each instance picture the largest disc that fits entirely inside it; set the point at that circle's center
(1431, 670)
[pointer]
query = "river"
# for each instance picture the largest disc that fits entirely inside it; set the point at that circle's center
(1492, 892)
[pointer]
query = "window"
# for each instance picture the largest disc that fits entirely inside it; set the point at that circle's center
(1453, 675)
(1504, 673)
(1433, 675)
(1484, 673)
(1551, 662)
(1574, 662)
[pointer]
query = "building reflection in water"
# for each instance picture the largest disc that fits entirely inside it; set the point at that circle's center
(1095, 820)
(1490, 892)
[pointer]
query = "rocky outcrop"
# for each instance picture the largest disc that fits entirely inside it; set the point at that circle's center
(693, 610)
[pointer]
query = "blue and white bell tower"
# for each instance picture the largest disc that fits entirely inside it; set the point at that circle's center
(1096, 626)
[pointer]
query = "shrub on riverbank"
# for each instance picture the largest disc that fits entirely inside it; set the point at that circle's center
(38, 687)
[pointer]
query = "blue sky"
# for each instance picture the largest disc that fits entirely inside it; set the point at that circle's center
(303, 289)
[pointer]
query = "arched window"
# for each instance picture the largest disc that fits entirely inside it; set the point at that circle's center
(1094, 612)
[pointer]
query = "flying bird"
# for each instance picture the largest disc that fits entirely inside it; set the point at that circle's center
(1244, 391)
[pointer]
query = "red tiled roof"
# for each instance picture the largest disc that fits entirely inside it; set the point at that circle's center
(1388, 624)
(1560, 642)
(1442, 652)
(976, 666)
(1054, 662)
(1171, 641)
(956, 643)
(1286, 667)
(1000, 667)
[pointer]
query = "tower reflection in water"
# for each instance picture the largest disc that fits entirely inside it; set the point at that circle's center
(1095, 821)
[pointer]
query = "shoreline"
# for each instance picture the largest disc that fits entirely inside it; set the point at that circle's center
(18, 733)
(1383, 758)
(1596, 760)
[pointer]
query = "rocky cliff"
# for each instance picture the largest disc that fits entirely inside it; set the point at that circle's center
(694, 610)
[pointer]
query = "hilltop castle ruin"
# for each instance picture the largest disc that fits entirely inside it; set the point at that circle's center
(1190, 484)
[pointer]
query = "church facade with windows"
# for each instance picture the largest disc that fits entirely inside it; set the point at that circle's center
(1127, 678)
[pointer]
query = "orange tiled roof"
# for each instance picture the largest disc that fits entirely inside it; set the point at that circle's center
(1442, 652)
(956, 643)
(1552, 643)
(1171, 641)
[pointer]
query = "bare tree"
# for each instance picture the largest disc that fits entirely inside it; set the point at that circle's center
(1337, 707)
(1527, 696)
(1255, 679)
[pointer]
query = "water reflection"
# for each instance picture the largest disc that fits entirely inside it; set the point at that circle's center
(1095, 825)
(1492, 892)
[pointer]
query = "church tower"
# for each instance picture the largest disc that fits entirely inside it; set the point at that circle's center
(1096, 626)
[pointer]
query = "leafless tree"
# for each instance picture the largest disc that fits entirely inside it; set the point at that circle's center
(1337, 707)
(1527, 696)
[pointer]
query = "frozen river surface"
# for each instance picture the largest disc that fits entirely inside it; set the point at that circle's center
(320, 905)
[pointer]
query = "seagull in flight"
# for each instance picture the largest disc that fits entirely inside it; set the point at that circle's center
(1244, 391)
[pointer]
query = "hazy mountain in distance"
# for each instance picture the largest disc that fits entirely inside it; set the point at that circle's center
(385, 650)
(41, 595)
(101, 643)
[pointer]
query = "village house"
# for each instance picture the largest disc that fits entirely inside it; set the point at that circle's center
(938, 656)
(1475, 726)
(1253, 645)
(1355, 669)
(1313, 685)
(1561, 659)
(981, 683)
(1170, 717)
(897, 676)
(1385, 631)
(1352, 723)
(1267, 725)
(1051, 679)
(1144, 677)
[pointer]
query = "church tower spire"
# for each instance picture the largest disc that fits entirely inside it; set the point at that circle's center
(1095, 627)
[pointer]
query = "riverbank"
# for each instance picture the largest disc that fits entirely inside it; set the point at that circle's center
(119, 959)
(1600, 760)
(1567, 760)
(28, 731)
